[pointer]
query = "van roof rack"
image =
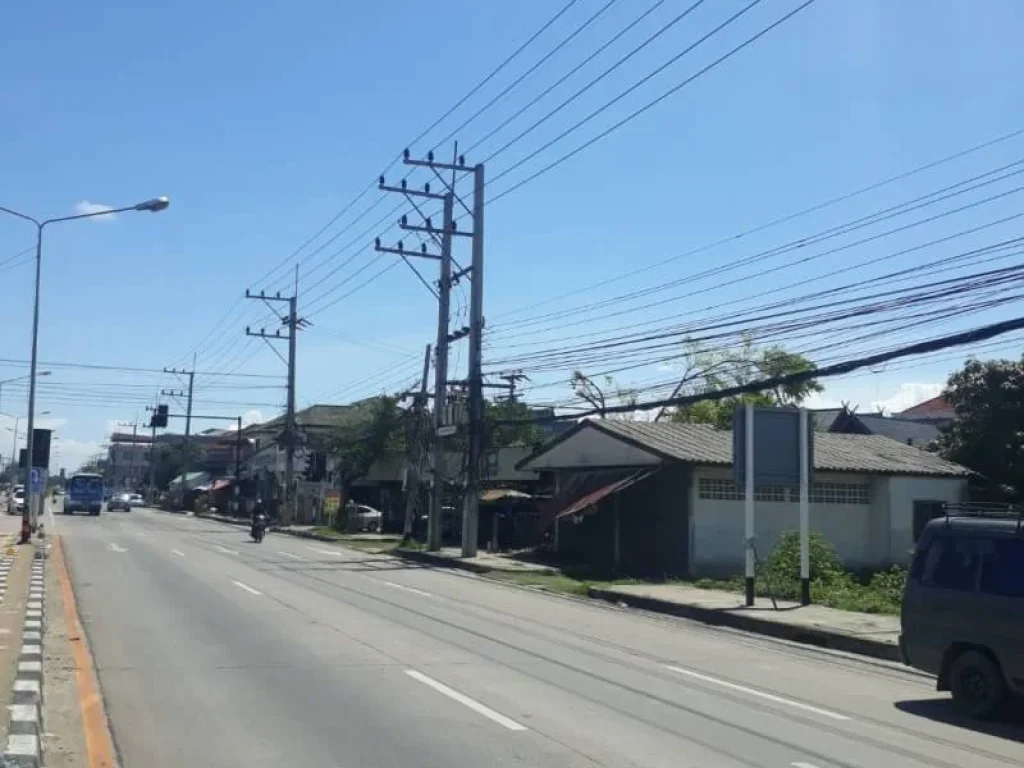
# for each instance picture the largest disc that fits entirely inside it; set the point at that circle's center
(989, 509)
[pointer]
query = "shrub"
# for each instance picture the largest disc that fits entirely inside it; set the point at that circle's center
(781, 571)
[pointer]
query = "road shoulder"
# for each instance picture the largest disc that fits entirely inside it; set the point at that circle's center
(77, 733)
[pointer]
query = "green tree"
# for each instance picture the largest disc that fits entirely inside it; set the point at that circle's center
(376, 433)
(501, 434)
(711, 371)
(987, 433)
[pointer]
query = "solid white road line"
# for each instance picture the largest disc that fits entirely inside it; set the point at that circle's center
(117, 547)
(178, 552)
(476, 706)
(757, 693)
(803, 765)
(325, 551)
(247, 588)
(289, 554)
(405, 588)
(225, 550)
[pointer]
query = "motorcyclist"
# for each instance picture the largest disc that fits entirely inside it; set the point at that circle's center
(259, 515)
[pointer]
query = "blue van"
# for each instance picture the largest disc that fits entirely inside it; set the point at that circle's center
(84, 494)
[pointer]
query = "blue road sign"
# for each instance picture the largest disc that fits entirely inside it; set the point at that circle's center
(37, 480)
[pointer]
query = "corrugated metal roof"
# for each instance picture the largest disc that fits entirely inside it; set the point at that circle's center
(703, 444)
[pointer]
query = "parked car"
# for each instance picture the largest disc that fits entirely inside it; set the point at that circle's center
(364, 517)
(137, 500)
(120, 501)
(16, 503)
(963, 607)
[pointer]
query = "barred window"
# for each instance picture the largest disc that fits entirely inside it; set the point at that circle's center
(770, 493)
(720, 489)
(726, 490)
(840, 493)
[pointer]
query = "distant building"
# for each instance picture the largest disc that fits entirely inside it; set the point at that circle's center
(937, 411)
(847, 422)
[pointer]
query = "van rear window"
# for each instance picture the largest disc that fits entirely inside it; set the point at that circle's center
(1002, 572)
(992, 566)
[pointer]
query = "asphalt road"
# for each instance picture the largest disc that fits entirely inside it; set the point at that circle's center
(215, 651)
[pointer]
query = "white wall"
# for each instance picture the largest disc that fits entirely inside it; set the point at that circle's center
(903, 492)
(866, 536)
(717, 525)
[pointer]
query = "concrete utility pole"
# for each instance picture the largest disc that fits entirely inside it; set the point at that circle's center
(185, 444)
(443, 238)
(416, 452)
(293, 322)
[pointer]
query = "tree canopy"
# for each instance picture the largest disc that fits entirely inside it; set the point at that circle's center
(987, 432)
(377, 433)
(707, 371)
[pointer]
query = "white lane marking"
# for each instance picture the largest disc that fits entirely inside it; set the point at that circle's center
(289, 554)
(476, 706)
(406, 589)
(30, 666)
(117, 547)
(757, 693)
(246, 587)
(803, 765)
(178, 552)
(225, 550)
(31, 649)
(325, 551)
(23, 685)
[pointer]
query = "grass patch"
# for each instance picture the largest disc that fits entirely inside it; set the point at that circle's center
(552, 582)
(831, 584)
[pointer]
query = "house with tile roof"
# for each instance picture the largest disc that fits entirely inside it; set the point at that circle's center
(647, 498)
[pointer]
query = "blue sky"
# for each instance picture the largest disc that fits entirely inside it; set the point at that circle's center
(262, 120)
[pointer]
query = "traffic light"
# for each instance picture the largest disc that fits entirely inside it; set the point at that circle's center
(159, 419)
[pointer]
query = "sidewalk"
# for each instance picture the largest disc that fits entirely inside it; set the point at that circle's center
(863, 633)
(484, 562)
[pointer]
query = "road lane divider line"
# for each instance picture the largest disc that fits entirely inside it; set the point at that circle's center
(289, 554)
(178, 552)
(325, 551)
(405, 588)
(99, 745)
(117, 548)
(803, 765)
(225, 550)
(759, 694)
(246, 587)
(465, 701)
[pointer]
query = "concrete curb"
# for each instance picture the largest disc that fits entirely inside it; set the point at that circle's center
(822, 638)
(23, 739)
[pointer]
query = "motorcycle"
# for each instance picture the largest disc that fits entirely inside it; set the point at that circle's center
(259, 528)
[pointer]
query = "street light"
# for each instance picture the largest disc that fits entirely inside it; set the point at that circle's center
(19, 378)
(155, 205)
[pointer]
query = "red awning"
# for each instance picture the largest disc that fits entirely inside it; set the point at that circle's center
(592, 498)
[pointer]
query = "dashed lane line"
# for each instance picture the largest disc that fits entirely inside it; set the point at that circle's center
(246, 587)
(225, 550)
(117, 548)
(465, 701)
(756, 693)
(178, 552)
(289, 554)
(325, 551)
(404, 588)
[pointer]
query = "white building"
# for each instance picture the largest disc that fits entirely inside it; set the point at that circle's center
(679, 511)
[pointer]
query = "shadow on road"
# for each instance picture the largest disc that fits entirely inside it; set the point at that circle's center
(1011, 727)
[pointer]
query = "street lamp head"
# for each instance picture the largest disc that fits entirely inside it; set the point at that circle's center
(155, 205)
